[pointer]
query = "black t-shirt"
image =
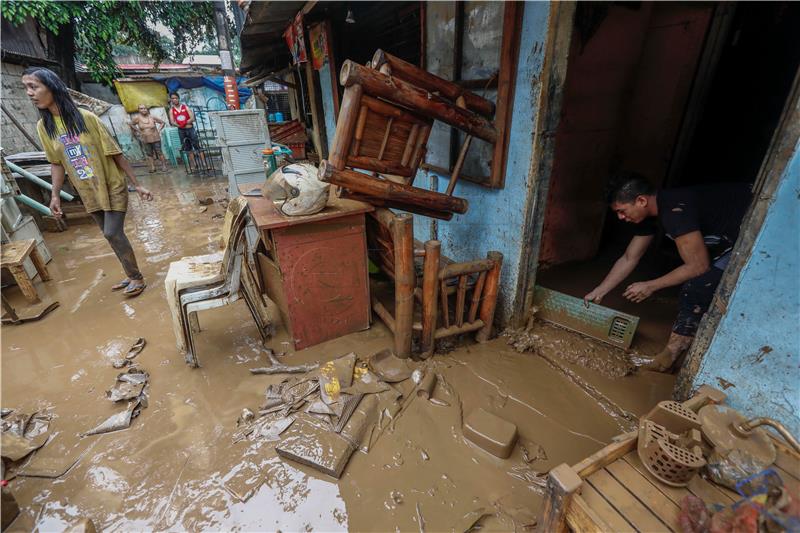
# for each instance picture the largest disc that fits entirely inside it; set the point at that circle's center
(714, 210)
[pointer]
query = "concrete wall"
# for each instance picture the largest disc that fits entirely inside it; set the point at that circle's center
(16, 101)
(495, 217)
(756, 346)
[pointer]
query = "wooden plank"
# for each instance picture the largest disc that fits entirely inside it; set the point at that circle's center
(675, 494)
(788, 464)
(649, 494)
(604, 510)
(625, 503)
(581, 517)
(602, 457)
(709, 492)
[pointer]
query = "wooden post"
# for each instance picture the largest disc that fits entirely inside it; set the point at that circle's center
(397, 192)
(404, 283)
(38, 262)
(461, 297)
(489, 303)
(359, 133)
(430, 296)
(346, 125)
(476, 297)
(317, 116)
(562, 484)
(445, 304)
(24, 283)
(378, 202)
(462, 155)
(420, 100)
(509, 51)
(430, 82)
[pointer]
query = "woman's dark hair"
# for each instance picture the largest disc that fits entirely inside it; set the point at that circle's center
(73, 120)
(624, 187)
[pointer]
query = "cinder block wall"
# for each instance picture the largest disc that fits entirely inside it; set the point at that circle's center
(15, 100)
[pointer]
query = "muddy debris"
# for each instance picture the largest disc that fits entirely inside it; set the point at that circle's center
(546, 339)
(136, 348)
(280, 368)
(22, 434)
(131, 386)
(205, 201)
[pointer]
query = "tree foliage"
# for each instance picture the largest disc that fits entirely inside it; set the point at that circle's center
(99, 24)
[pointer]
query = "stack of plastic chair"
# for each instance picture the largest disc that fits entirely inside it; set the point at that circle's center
(204, 282)
(172, 143)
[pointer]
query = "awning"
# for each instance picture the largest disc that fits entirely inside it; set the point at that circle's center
(263, 46)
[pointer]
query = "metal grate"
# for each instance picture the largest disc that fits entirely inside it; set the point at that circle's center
(595, 321)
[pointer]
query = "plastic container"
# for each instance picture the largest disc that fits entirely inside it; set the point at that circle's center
(278, 117)
(270, 162)
(271, 117)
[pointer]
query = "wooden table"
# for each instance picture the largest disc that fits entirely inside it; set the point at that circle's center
(14, 255)
(314, 267)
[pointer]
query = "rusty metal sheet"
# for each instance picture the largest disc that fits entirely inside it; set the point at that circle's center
(604, 324)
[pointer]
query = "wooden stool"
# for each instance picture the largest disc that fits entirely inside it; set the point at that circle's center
(13, 255)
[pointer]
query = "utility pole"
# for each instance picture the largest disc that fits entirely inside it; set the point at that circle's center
(224, 42)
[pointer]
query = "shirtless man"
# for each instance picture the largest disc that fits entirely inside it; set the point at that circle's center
(148, 129)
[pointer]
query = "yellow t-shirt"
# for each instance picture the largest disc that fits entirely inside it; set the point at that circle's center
(88, 163)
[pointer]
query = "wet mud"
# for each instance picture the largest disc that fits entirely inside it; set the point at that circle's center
(177, 465)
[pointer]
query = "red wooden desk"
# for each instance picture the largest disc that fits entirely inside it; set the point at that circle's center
(315, 268)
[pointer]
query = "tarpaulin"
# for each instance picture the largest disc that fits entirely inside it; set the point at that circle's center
(174, 83)
(134, 93)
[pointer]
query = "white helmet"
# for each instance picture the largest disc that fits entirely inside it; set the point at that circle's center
(297, 189)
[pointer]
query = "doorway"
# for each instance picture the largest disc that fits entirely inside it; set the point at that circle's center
(682, 93)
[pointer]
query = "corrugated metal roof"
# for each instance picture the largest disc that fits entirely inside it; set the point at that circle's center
(262, 36)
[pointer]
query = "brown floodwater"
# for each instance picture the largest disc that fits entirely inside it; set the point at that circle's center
(177, 467)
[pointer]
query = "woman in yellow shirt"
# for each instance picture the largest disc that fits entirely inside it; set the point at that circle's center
(77, 143)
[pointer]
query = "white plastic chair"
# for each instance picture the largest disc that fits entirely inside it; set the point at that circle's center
(204, 282)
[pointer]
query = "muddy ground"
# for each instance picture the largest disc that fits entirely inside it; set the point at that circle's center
(177, 468)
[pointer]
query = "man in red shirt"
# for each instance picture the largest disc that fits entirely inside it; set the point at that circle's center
(182, 117)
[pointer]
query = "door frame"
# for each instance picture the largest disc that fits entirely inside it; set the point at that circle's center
(776, 159)
(781, 149)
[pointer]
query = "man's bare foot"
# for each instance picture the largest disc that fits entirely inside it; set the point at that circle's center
(676, 345)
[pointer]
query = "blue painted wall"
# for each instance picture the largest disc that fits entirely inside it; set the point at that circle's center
(757, 343)
(495, 218)
(327, 103)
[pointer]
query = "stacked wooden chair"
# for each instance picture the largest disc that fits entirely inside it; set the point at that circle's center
(207, 281)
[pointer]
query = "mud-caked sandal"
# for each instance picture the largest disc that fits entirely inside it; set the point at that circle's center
(136, 290)
(121, 285)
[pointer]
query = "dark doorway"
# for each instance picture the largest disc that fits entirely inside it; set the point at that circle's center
(632, 75)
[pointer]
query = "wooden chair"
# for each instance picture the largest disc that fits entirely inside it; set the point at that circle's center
(13, 256)
(472, 285)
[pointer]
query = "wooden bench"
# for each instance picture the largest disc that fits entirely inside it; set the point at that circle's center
(472, 286)
(12, 257)
(612, 490)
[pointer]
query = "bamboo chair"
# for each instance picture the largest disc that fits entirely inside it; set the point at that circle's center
(472, 285)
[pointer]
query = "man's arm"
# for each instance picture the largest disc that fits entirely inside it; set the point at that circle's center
(693, 251)
(170, 117)
(158, 121)
(126, 167)
(190, 122)
(621, 269)
(57, 176)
